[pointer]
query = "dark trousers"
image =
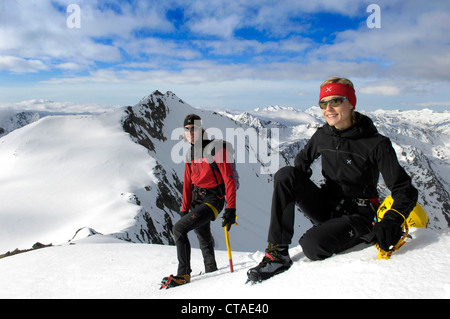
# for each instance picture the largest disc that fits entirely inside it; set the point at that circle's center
(333, 232)
(198, 219)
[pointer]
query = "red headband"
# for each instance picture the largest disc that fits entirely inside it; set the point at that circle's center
(339, 89)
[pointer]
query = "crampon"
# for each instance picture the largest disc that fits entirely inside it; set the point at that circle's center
(174, 281)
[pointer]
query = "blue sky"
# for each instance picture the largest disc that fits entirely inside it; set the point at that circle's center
(232, 54)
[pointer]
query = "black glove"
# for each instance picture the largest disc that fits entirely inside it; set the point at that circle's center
(229, 218)
(184, 214)
(389, 231)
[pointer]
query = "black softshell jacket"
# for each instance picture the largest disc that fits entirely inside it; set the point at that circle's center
(352, 161)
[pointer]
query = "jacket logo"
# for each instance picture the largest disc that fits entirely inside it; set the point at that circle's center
(349, 162)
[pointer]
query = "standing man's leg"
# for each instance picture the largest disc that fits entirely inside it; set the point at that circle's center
(197, 218)
(206, 242)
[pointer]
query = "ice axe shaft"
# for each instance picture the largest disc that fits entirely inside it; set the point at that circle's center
(227, 239)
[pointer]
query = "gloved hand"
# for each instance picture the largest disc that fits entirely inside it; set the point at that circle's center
(229, 218)
(389, 231)
(184, 214)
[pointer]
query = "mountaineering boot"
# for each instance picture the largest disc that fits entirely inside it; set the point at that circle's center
(275, 261)
(175, 281)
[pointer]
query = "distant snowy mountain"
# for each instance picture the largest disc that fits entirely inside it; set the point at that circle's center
(16, 115)
(422, 142)
(121, 173)
(11, 120)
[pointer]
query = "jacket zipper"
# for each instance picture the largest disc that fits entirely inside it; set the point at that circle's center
(338, 146)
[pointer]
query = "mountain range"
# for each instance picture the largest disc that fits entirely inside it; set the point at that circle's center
(120, 173)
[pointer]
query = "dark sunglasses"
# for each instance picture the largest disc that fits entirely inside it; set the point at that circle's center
(333, 102)
(192, 128)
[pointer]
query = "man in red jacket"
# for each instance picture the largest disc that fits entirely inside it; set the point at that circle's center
(204, 191)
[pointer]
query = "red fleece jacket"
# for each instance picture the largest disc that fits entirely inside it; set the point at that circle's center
(199, 173)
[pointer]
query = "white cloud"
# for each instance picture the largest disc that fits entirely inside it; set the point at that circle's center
(69, 66)
(386, 90)
(41, 105)
(98, 76)
(413, 44)
(145, 15)
(213, 26)
(445, 104)
(151, 46)
(270, 50)
(38, 30)
(19, 65)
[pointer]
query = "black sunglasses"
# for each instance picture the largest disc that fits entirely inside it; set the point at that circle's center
(333, 102)
(192, 128)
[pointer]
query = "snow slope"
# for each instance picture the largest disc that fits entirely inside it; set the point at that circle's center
(63, 173)
(105, 267)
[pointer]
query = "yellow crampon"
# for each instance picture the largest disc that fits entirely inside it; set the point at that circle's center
(417, 218)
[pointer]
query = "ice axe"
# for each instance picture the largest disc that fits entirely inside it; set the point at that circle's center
(227, 239)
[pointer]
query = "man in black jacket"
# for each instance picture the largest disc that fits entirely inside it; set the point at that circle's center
(342, 210)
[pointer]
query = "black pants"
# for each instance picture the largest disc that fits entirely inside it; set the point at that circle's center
(198, 219)
(332, 233)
